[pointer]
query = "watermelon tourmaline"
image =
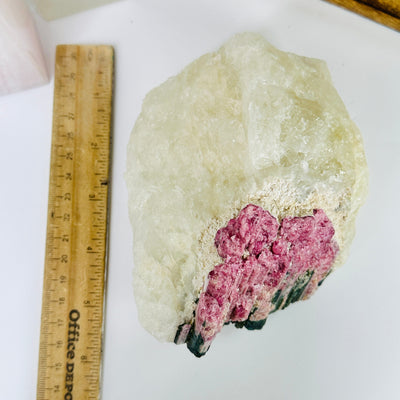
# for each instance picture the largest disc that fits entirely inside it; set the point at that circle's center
(266, 266)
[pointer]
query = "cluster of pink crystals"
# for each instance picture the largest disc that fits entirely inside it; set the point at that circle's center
(262, 257)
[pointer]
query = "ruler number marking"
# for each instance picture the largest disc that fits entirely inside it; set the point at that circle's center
(71, 289)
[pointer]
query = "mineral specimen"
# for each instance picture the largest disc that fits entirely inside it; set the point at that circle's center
(266, 267)
(247, 133)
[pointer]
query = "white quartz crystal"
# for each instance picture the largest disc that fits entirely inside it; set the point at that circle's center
(246, 124)
(21, 61)
(52, 9)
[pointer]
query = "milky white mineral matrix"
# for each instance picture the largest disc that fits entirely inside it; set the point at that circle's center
(245, 175)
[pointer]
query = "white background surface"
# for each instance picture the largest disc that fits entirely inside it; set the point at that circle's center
(344, 343)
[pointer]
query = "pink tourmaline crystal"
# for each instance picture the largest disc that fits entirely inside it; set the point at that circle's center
(266, 267)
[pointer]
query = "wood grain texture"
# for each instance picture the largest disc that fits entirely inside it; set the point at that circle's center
(385, 12)
(76, 243)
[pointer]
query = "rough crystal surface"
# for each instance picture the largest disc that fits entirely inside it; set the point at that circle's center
(286, 265)
(247, 124)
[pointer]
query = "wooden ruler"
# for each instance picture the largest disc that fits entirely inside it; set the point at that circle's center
(75, 260)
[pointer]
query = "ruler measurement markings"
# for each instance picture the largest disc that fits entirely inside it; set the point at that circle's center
(66, 272)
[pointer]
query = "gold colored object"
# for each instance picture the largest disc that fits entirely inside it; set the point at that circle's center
(74, 274)
(385, 12)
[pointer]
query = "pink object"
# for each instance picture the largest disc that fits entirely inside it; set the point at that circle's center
(21, 61)
(266, 267)
(252, 229)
